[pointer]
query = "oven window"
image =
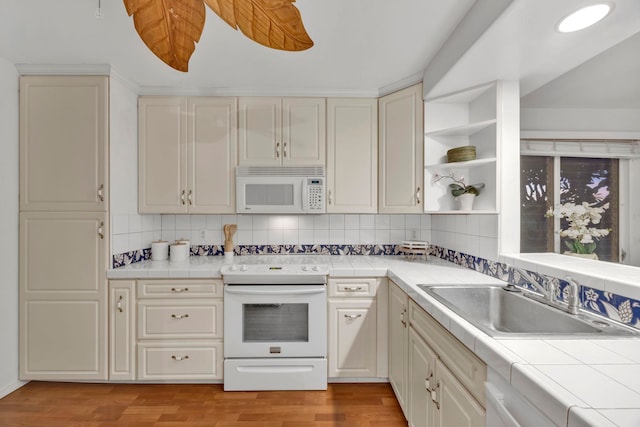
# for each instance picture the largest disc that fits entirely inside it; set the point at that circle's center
(275, 322)
(269, 194)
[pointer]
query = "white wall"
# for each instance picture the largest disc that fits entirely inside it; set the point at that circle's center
(8, 228)
(123, 155)
(580, 119)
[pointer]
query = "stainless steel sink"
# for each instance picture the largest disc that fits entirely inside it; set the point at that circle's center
(503, 314)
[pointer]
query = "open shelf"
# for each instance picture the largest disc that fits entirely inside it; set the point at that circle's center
(461, 165)
(462, 130)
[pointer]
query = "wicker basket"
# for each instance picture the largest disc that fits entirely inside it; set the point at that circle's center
(461, 154)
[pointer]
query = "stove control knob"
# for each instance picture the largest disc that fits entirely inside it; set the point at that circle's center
(243, 267)
(305, 268)
(315, 268)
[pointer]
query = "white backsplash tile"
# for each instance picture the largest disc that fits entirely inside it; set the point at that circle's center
(135, 223)
(183, 222)
(168, 222)
(367, 222)
(336, 222)
(381, 222)
(396, 222)
(214, 222)
(198, 222)
(351, 222)
(141, 230)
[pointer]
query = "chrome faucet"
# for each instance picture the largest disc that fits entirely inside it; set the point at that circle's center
(546, 292)
(573, 301)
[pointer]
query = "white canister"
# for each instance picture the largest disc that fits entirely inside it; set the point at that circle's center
(178, 252)
(228, 257)
(185, 242)
(160, 250)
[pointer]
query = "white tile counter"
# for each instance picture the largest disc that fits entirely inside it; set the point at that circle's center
(574, 382)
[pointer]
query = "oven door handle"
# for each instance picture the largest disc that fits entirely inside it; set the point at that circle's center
(275, 292)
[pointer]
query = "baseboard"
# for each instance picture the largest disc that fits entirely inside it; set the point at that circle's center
(10, 388)
(357, 380)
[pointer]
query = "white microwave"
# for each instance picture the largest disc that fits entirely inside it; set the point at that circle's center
(285, 189)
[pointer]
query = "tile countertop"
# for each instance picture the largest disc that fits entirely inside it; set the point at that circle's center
(575, 382)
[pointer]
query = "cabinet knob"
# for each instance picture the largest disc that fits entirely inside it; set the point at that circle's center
(418, 195)
(182, 197)
(190, 197)
(119, 303)
(353, 288)
(101, 192)
(329, 196)
(179, 289)
(277, 150)
(179, 316)
(352, 316)
(284, 149)
(101, 230)
(179, 358)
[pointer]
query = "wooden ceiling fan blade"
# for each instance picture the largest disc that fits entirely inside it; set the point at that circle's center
(224, 9)
(273, 23)
(169, 28)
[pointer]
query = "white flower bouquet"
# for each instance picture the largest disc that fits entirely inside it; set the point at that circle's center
(579, 217)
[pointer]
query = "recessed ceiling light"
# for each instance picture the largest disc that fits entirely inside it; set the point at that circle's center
(584, 17)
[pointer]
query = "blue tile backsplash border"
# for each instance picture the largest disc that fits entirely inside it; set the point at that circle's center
(607, 304)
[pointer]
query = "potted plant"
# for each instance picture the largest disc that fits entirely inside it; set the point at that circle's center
(581, 238)
(464, 193)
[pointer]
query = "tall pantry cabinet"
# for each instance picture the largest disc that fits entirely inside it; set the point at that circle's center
(64, 134)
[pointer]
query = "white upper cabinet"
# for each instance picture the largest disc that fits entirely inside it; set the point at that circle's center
(282, 131)
(401, 151)
(352, 155)
(64, 131)
(212, 138)
(187, 154)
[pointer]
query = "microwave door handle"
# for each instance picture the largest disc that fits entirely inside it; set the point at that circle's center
(305, 200)
(231, 290)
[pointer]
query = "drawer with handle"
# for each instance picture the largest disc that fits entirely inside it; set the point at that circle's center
(180, 319)
(187, 361)
(179, 288)
(353, 287)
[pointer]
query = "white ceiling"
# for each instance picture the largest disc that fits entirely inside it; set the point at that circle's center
(362, 48)
(523, 45)
(360, 45)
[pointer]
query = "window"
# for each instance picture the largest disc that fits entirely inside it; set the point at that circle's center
(549, 181)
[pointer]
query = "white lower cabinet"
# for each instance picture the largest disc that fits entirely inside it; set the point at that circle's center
(179, 330)
(437, 380)
(422, 362)
(356, 342)
(122, 330)
(398, 343)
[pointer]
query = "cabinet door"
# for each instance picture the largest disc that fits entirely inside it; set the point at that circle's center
(212, 140)
(303, 131)
(162, 155)
(352, 338)
(63, 296)
(122, 355)
(64, 143)
(352, 156)
(398, 344)
(260, 131)
(401, 151)
(455, 406)
(422, 368)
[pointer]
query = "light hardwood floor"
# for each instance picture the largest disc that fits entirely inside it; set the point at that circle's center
(142, 405)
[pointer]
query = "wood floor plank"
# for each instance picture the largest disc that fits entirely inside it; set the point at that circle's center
(197, 405)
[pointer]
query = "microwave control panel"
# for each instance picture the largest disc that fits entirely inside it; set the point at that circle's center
(315, 195)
